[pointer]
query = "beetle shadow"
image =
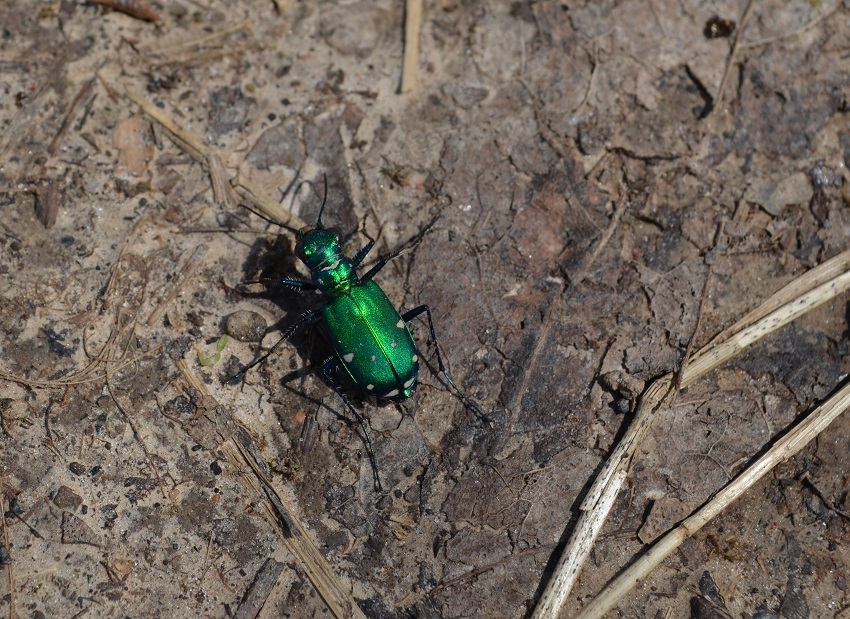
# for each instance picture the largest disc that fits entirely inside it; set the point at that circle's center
(354, 395)
(273, 259)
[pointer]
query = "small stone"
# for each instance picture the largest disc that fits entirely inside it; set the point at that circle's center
(625, 384)
(773, 196)
(76, 468)
(66, 498)
(110, 514)
(245, 326)
(180, 408)
(224, 531)
(123, 566)
(622, 406)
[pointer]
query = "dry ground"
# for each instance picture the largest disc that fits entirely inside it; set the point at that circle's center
(126, 469)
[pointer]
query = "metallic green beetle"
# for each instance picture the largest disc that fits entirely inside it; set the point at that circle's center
(370, 337)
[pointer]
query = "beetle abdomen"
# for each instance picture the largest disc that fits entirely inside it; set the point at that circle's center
(372, 341)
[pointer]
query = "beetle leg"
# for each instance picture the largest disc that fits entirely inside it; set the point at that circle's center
(303, 318)
(292, 284)
(364, 251)
(466, 400)
(326, 370)
(380, 265)
(404, 248)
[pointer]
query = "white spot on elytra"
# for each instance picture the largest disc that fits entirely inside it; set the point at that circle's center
(370, 387)
(409, 382)
(393, 344)
(348, 358)
(331, 267)
(414, 358)
(400, 324)
(372, 359)
(392, 393)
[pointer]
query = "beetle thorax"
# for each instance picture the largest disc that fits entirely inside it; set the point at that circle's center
(330, 270)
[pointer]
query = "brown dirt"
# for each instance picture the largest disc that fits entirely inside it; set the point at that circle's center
(532, 122)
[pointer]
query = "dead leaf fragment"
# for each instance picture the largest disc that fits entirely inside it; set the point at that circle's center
(133, 8)
(75, 531)
(773, 196)
(132, 138)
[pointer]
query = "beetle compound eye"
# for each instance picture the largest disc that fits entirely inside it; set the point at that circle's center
(333, 238)
(299, 251)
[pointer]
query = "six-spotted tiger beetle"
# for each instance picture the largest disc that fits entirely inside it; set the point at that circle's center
(370, 337)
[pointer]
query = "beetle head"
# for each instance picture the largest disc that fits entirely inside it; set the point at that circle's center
(317, 246)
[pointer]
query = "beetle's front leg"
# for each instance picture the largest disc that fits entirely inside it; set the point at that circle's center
(382, 262)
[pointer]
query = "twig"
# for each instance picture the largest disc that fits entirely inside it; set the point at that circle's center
(215, 40)
(591, 80)
(222, 190)
(733, 54)
(190, 143)
(86, 375)
(575, 554)
(133, 8)
(240, 449)
(85, 93)
(703, 297)
(186, 273)
(784, 449)
(412, 26)
(602, 244)
(611, 477)
(821, 274)
(793, 33)
(15, 132)
(705, 360)
(264, 202)
(557, 302)
(136, 433)
(483, 569)
(709, 358)
(199, 151)
(47, 203)
(259, 590)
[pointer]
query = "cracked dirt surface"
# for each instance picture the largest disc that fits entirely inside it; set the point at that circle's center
(531, 124)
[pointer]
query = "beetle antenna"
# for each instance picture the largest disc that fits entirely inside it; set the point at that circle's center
(275, 222)
(319, 225)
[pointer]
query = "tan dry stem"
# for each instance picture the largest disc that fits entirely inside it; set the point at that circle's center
(807, 292)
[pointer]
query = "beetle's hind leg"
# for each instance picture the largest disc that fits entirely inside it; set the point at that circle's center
(302, 319)
(465, 399)
(326, 370)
